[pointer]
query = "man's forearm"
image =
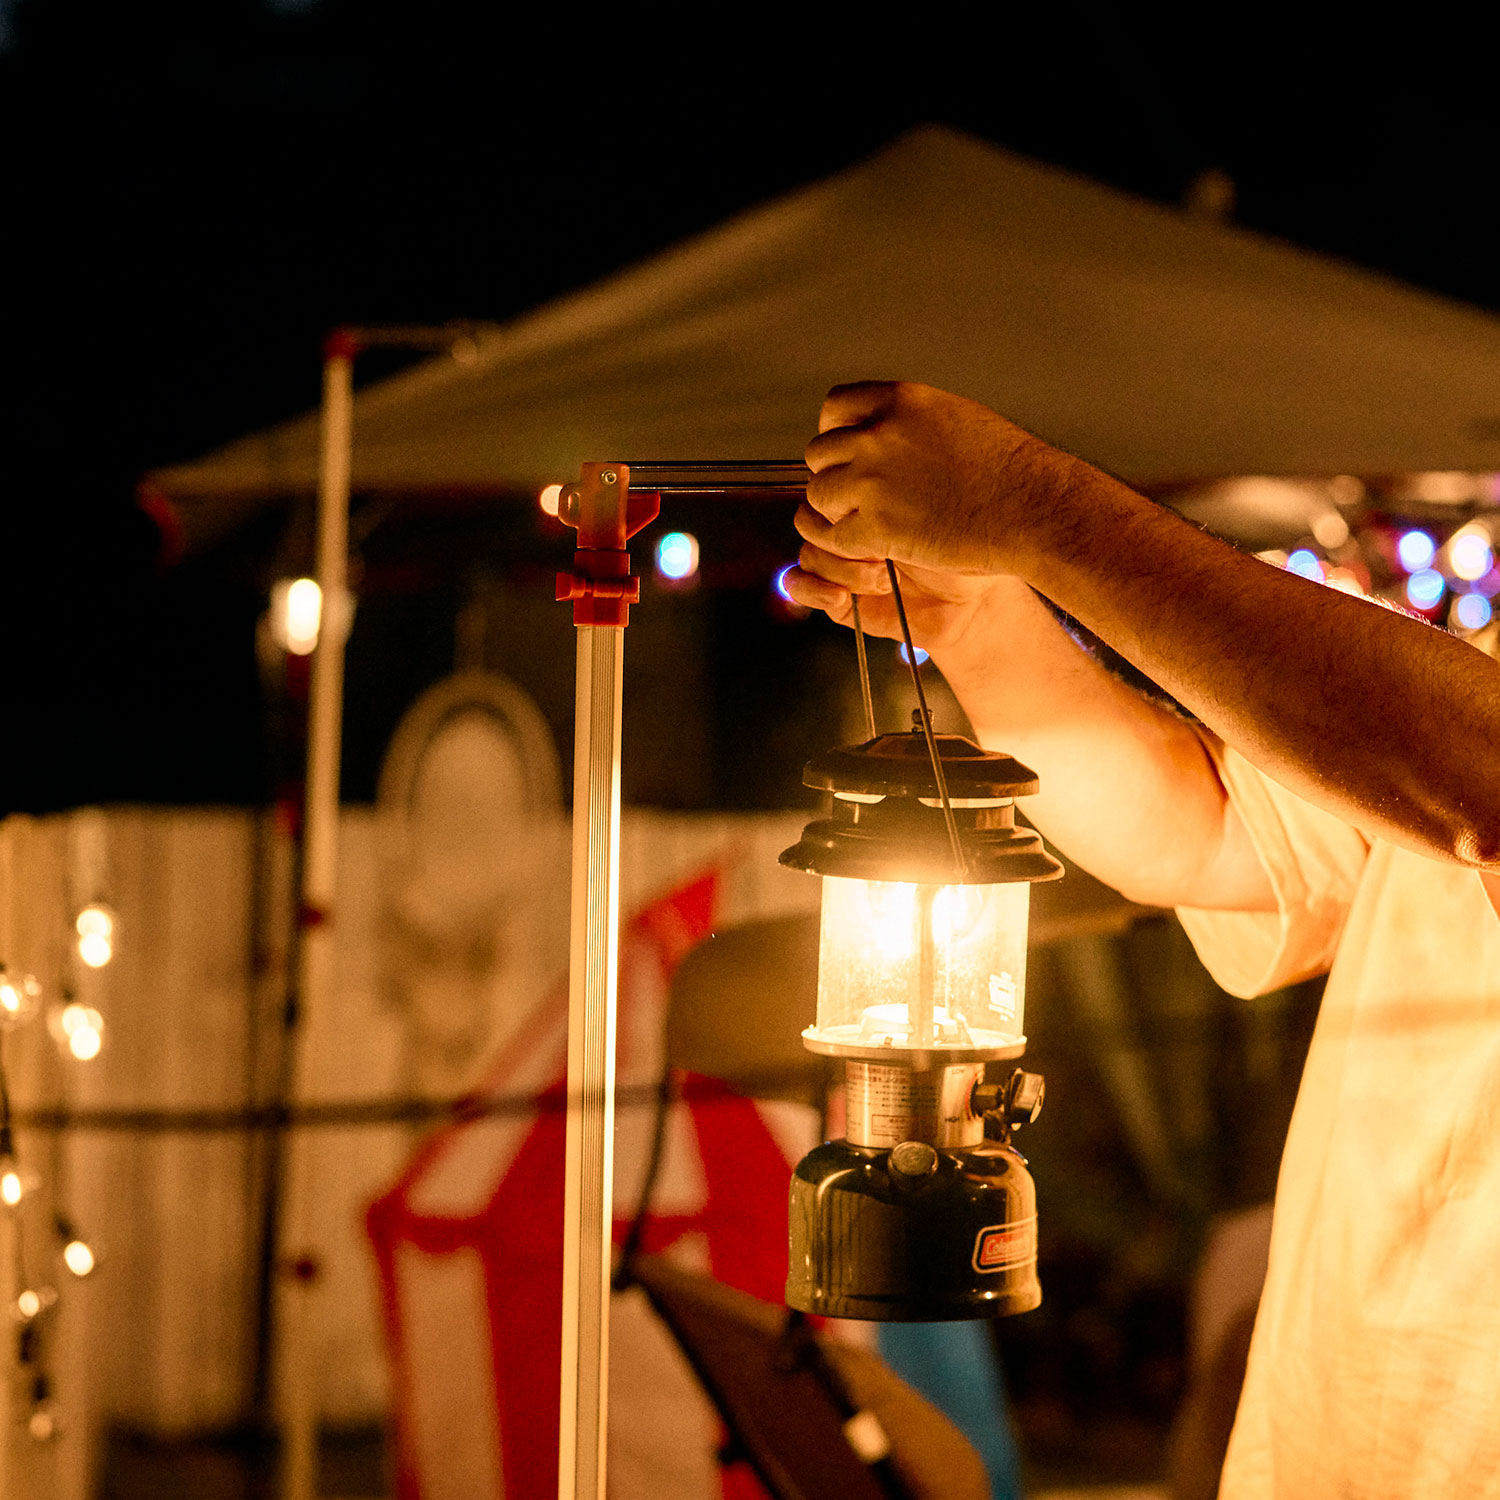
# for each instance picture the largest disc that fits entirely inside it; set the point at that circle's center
(1127, 789)
(1380, 718)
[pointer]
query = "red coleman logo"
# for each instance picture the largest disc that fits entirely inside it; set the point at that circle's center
(1002, 1246)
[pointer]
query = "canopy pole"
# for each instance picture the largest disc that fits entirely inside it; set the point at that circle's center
(299, 1264)
(602, 590)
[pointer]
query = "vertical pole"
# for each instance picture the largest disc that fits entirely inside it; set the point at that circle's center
(602, 590)
(319, 876)
(588, 1207)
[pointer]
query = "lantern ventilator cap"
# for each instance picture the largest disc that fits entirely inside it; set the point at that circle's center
(882, 825)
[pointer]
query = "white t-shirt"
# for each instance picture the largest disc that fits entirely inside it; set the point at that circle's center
(1375, 1365)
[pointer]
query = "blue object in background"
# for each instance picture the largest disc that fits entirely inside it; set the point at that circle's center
(953, 1365)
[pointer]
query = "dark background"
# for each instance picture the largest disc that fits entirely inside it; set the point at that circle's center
(196, 192)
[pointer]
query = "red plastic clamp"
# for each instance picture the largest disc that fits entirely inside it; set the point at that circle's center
(606, 515)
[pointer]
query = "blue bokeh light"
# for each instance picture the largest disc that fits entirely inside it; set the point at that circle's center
(921, 654)
(1415, 549)
(1306, 565)
(1425, 588)
(778, 582)
(1472, 611)
(677, 555)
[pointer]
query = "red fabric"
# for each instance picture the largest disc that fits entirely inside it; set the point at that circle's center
(518, 1232)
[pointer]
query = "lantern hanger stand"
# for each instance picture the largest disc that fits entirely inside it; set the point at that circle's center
(609, 504)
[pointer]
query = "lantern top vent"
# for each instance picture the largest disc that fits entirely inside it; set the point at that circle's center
(898, 765)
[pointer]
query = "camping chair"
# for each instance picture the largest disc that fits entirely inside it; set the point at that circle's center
(811, 1416)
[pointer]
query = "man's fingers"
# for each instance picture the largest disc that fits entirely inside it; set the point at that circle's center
(848, 405)
(843, 538)
(813, 592)
(860, 577)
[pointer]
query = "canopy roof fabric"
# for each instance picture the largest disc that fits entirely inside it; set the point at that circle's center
(1162, 346)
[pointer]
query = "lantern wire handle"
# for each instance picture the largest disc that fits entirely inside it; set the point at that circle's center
(864, 669)
(925, 714)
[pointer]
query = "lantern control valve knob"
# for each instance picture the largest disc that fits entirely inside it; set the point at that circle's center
(1017, 1101)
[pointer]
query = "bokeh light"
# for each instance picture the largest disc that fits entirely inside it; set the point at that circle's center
(1305, 564)
(1470, 555)
(78, 1257)
(550, 499)
(95, 925)
(1472, 611)
(1416, 550)
(296, 612)
(1425, 588)
(921, 654)
(19, 994)
(778, 582)
(677, 555)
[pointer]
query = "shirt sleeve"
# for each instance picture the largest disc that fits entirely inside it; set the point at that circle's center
(1314, 861)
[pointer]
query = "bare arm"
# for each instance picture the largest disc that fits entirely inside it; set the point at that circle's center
(1383, 720)
(1127, 789)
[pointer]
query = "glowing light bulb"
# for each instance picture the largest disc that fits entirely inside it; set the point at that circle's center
(95, 926)
(42, 1424)
(550, 499)
(1470, 555)
(1473, 612)
(296, 614)
(19, 994)
(85, 1043)
(677, 555)
(1305, 564)
(1330, 530)
(79, 1258)
(1425, 588)
(12, 1189)
(1416, 550)
(80, 1029)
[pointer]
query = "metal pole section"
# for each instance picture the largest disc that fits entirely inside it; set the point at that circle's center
(588, 1188)
(602, 589)
(319, 874)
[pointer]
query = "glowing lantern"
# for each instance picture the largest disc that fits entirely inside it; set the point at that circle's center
(925, 1211)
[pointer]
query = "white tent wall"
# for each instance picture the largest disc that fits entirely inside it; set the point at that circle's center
(160, 1337)
(1162, 346)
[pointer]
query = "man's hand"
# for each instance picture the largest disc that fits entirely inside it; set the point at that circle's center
(926, 478)
(941, 606)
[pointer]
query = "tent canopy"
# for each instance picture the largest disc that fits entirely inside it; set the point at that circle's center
(1164, 347)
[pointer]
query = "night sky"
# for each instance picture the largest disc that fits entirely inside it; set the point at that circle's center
(196, 192)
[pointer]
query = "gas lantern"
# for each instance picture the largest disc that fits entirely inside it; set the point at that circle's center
(924, 1210)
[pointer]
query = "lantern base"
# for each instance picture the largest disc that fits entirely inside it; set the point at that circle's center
(913, 1234)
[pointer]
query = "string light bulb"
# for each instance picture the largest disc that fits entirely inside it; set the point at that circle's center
(19, 995)
(296, 614)
(78, 1256)
(12, 1188)
(42, 1424)
(78, 1030)
(32, 1301)
(95, 926)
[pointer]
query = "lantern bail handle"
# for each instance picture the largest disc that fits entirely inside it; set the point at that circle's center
(924, 714)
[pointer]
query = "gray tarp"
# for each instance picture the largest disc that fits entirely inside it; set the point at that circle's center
(1162, 346)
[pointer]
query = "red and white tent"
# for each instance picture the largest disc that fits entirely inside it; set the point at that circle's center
(469, 1245)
